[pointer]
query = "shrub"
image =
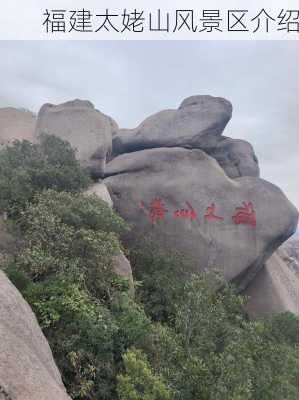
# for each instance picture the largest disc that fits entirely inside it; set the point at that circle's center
(214, 352)
(27, 168)
(139, 381)
(65, 272)
(162, 276)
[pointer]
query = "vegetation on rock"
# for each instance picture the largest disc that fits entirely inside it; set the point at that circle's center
(27, 168)
(178, 339)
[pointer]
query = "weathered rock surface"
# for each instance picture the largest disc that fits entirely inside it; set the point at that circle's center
(178, 179)
(27, 368)
(16, 124)
(290, 255)
(274, 289)
(196, 118)
(291, 249)
(198, 123)
(87, 129)
(155, 189)
(100, 190)
(236, 157)
(122, 267)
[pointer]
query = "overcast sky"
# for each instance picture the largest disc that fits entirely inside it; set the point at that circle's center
(131, 80)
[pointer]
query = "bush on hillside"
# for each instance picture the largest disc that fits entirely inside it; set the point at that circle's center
(27, 168)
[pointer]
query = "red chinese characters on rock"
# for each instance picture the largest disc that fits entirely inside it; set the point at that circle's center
(245, 215)
(188, 213)
(156, 211)
(210, 213)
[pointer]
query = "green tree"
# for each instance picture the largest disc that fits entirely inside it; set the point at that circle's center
(139, 382)
(283, 328)
(80, 332)
(213, 352)
(65, 271)
(27, 168)
(70, 235)
(162, 276)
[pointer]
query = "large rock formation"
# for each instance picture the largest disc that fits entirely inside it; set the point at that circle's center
(184, 199)
(176, 179)
(275, 288)
(198, 123)
(16, 124)
(235, 156)
(291, 251)
(87, 129)
(100, 190)
(196, 118)
(27, 368)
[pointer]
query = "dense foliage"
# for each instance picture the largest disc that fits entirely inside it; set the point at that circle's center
(65, 271)
(161, 279)
(213, 351)
(139, 381)
(27, 168)
(179, 339)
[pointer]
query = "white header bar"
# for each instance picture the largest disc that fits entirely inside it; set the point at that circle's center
(149, 20)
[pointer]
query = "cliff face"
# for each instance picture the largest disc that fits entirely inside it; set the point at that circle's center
(177, 179)
(28, 371)
(16, 124)
(291, 249)
(87, 129)
(276, 287)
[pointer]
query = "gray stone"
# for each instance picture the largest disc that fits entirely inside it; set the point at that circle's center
(291, 248)
(100, 190)
(87, 130)
(27, 368)
(198, 123)
(291, 252)
(122, 267)
(275, 288)
(198, 117)
(16, 124)
(177, 176)
(235, 156)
